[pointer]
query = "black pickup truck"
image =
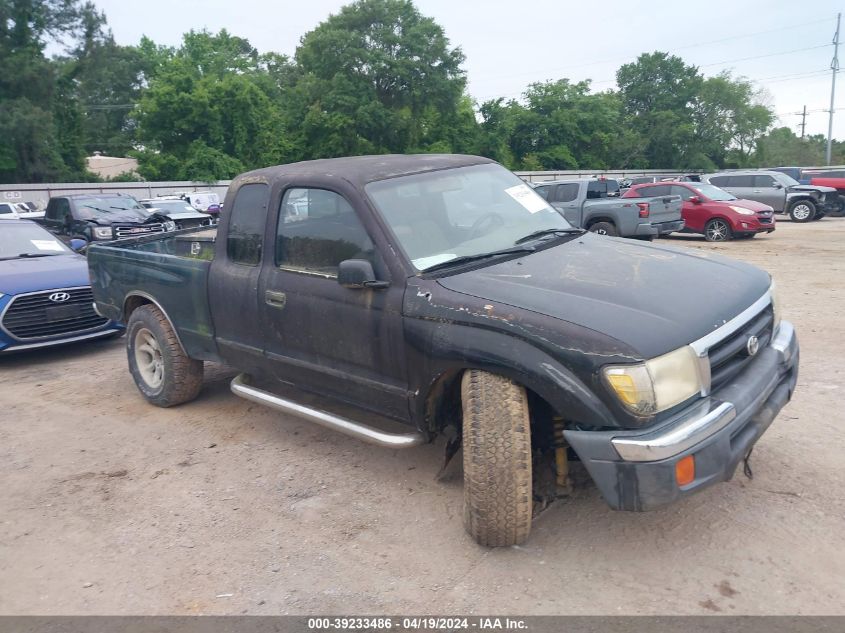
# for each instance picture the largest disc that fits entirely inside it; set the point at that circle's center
(520, 338)
(102, 217)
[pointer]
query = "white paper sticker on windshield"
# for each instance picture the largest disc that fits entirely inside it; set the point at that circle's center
(422, 263)
(527, 197)
(47, 245)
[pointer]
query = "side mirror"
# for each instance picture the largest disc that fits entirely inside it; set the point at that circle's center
(695, 199)
(78, 245)
(777, 185)
(358, 273)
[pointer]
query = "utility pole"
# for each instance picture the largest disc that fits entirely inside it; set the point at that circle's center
(834, 66)
(803, 122)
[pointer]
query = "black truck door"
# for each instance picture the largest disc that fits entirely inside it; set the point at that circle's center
(233, 277)
(319, 335)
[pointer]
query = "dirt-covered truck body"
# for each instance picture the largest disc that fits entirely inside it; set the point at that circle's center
(515, 335)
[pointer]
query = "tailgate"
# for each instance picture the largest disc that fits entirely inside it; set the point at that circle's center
(663, 208)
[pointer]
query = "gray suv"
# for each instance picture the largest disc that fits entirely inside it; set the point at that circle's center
(780, 191)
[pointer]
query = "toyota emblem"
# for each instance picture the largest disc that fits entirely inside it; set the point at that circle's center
(59, 297)
(752, 346)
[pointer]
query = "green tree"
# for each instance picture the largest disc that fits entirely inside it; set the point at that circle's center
(32, 105)
(728, 120)
(658, 91)
(212, 106)
(374, 77)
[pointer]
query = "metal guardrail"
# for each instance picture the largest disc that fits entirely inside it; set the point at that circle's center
(41, 193)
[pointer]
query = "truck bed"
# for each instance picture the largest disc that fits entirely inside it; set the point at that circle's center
(174, 274)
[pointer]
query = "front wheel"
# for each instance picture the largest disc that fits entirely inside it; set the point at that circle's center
(717, 230)
(163, 373)
(802, 211)
(497, 459)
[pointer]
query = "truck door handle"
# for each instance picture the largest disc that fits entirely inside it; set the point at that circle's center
(275, 299)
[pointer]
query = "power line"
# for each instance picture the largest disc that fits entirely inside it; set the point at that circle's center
(791, 27)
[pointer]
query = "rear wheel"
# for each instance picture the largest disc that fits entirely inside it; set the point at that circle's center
(163, 373)
(604, 228)
(497, 459)
(717, 230)
(802, 211)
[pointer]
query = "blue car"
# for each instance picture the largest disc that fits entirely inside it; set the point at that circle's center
(45, 295)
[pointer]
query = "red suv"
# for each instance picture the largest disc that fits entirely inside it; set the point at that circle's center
(712, 211)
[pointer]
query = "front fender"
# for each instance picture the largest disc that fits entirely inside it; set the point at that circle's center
(439, 349)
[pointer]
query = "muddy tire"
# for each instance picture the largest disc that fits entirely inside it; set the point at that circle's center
(604, 228)
(497, 459)
(163, 373)
(802, 211)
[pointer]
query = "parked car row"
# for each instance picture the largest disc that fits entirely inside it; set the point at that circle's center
(592, 204)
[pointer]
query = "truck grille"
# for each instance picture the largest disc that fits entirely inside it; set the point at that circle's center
(36, 316)
(730, 356)
(134, 230)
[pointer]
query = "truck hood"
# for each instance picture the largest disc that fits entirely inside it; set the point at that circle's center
(129, 217)
(43, 273)
(652, 298)
(819, 188)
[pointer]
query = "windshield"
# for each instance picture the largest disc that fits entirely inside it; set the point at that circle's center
(785, 179)
(28, 240)
(713, 192)
(123, 206)
(442, 215)
(168, 206)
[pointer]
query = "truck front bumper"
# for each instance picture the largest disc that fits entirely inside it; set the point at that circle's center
(661, 228)
(635, 470)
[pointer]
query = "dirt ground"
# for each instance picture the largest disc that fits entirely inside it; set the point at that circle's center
(112, 506)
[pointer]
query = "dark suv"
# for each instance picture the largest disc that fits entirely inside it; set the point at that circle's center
(102, 217)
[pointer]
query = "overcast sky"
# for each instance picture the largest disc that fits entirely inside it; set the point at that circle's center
(784, 46)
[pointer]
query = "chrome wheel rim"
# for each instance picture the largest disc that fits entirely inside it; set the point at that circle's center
(801, 212)
(717, 231)
(148, 358)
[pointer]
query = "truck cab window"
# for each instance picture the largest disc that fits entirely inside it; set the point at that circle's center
(317, 230)
(566, 193)
(246, 226)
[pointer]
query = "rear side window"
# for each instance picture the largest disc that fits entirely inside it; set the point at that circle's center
(566, 193)
(5, 208)
(596, 189)
(317, 230)
(719, 181)
(246, 224)
(677, 190)
(655, 190)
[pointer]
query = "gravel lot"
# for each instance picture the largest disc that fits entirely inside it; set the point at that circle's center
(112, 506)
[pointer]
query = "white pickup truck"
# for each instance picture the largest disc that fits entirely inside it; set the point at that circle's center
(18, 211)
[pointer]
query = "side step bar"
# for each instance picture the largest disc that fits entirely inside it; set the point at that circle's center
(240, 387)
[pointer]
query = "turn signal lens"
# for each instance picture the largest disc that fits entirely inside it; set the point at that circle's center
(685, 470)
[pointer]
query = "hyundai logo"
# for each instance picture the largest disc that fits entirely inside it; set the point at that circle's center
(59, 297)
(752, 346)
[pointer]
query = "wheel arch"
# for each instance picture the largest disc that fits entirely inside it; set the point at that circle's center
(137, 299)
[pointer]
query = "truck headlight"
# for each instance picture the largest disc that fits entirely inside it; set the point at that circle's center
(657, 384)
(102, 233)
(742, 211)
(775, 306)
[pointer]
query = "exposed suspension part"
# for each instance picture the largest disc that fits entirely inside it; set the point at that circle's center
(562, 479)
